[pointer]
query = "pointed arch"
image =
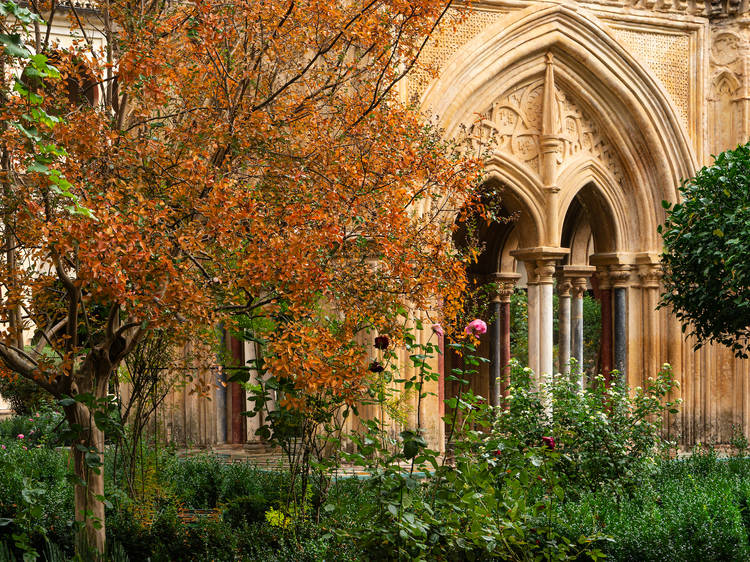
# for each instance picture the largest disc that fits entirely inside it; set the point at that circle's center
(627, 102)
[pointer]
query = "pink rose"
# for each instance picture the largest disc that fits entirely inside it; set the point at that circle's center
(31, 432)
(476, 327)
(20, 436)
(438, 329)
(549, 442)
(25, 448)
(3, 446)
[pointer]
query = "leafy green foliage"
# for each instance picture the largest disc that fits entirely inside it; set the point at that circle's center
(608, 437)
(692, 509)
(493, 501)
(706, 240)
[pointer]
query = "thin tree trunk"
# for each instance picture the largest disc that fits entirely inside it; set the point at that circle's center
(89, 487)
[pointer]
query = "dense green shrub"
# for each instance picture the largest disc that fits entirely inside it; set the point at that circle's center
(706, 241)
(607, 436)
(24, 396)
(36, 499)
(689, 510)
(45, 426)
(205, 481)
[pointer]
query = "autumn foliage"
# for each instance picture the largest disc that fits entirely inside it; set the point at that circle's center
(223, 159)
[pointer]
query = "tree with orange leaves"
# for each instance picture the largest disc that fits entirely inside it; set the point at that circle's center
(216, 159)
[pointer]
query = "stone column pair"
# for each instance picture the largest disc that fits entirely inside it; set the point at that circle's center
(540, 269)
(613, 280)
(500, 364)
(572, 281)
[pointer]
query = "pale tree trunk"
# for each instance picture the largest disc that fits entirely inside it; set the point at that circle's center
(89, 488)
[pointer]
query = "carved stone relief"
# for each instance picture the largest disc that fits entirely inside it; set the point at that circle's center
(453, 33)
(513, 124)
(727, 70)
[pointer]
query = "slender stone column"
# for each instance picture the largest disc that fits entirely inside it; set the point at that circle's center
(579, 289)
(540, 268)
(506, 283)
(496, 364)
(620, 276)
(545, 277)
(577, 276)
(650, 275)
(238, 394)
(605, 296)
(563, 324)
(533, 314)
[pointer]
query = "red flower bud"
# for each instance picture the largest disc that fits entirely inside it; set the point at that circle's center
(382, 342)
(376, 367)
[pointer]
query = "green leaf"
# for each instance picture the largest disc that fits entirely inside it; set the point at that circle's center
(13, 46)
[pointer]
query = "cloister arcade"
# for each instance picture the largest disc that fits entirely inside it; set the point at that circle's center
(584, 147)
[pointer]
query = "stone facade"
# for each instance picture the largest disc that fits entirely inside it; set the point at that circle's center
(593, 113)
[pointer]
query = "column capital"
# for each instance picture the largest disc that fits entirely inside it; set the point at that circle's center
(602, 276)
(580, 284)
(506, 284)
(564, 286)
(619, 275)
(545, 271)
(650, 275)
(540, 262)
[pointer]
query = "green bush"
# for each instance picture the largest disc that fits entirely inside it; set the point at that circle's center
(36, 498)
(689, 510)
(45, 426)
(24, 396)
(607, 436)
(706, 241)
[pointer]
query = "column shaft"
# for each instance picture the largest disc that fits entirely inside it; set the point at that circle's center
(238, 394)
(621, 331)
(563, 329)
(546, 331)
(533, 339)
(606, 338)
(577, 321)
(505, 346)
(496, 362)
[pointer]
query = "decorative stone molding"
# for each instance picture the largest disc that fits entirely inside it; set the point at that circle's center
(619, 275)
(544, 128)
(650, 275)
(540, 262)
(712, 9)
(506, 285)
(602, 276)
(564, 286)
(545, 271)
(580, 284)
(578, 277)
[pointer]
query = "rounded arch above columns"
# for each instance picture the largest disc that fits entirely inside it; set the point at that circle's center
(608, 85)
